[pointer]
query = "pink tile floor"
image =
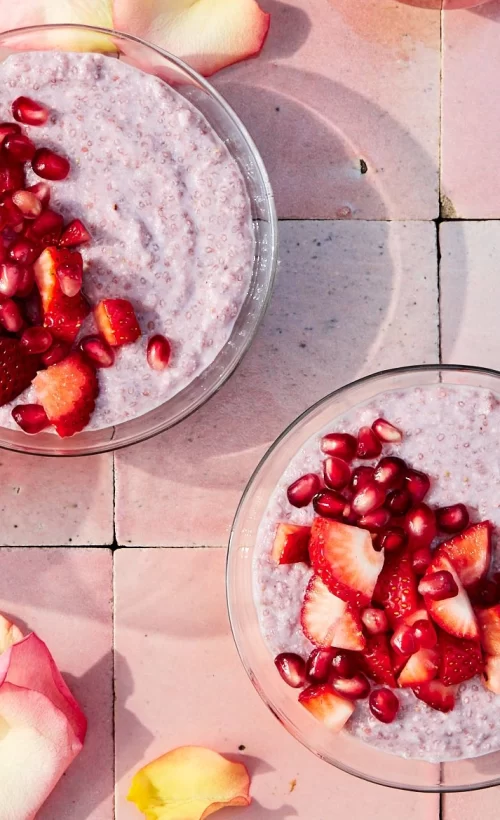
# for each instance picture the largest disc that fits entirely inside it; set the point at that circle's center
(395, 265)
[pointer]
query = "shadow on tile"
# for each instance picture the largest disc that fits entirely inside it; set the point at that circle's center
(290, 28)
(132, 736)
(490, 10)
(256, 811)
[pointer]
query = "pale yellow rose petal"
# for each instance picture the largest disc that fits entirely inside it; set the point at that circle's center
(20, 13)
(9, 634)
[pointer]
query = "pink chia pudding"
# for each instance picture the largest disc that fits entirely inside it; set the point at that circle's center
(165, 204)
(452, 435)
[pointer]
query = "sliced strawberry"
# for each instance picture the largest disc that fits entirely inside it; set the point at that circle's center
(117, 322)
(420, 667)
(74, 234)
(328, 620)
(377, 661)
(396, 587)
(454, 615)
(343, 556)
(489, 627)
(62, 314)
(492, 673)
(326, 706)
(436, 695)
(470, 553)
(17, 369)
(460, 660)
(67, 392)
(291, 544)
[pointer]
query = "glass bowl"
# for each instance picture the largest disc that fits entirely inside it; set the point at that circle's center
(343, 750)
(224, 121)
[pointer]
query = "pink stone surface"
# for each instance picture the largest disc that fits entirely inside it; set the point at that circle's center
(163, 649)
(65, 596)
(471, 114)
(341, 81)
(352, 298)
(52, 501)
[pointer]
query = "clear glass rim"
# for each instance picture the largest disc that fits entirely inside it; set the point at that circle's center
(111, 445)
(374, 377)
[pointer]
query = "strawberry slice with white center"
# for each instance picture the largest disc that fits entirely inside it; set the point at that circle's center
(328, 620)
(470, 553)
(489, 627)
(377, 660)
(492, 673)
(291, 544)
(420, 667)
(460, 660)
(326, 706)
(436, 695)
(344, 558)
(454, 615)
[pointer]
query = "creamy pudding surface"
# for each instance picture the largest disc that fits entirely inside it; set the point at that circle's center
(452, 434)
(165, 203)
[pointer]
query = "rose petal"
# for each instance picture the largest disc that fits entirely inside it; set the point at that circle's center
(42, 12)
(9, 634)
(189, 782)
(207, 34)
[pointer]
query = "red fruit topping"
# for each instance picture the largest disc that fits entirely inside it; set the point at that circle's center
(67, 391)
(46, 229)
(11, 175)
(344, 557)
(55, 354)
(29, 111)
(454, 615)
(328, 621)
(390, 472)
(369, 445)
(69, 269)
(384, 705)
(436, 695)
(438, 586)
(375, 521)
(470, 553)
(421, 667)
(24, 252)
(303, 490)
(74, 234)
(29, 205)
(336, 472)
(102, 355)
(489, 626)
(33, 308)
(10, 278)
(7, 128)
(10, 215)
(403, 640)
(291, 542)
(292, 669)
(36, 340)
(17, 369)
(41, 191)
(398, 502)
(27, 281)
(353, 688)
(330, 504)
(421, 559)
(420, 524)
(49, 165)
(344, 664)
(31, 418)
(117, 322)
(417, 484)
(492, 673)
(361, 476)
(376, 660)
(487, 593)
(19, 147)
(374, 620)
(391, 539)
(10, 316)
(460, 660)
(452, 519)
(386, 431)
(319, 664)
(159, 352)
(342, 445)
(62, 314)
(326, 706)
(369, 498)
(396, 588)
(424, 633)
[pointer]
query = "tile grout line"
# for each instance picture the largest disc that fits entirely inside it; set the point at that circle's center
(113, 685)
(440, 193)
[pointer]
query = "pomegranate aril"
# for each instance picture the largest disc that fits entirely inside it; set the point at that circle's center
(74, 234)
(41, 191)
(302, 491)
(386, 431)
(374, 620)
(98, 351)
(10, 316)
(420, 524)
(375, 521)
(403, 640)
(56, 353)
(36, 340)
(424, 634)
(487, 594)
(7, 128)
(342, 445)
(46, 229)
(369, 445)
(421, 559)
(10, 215)
(33, 308)
(343, 665)
(319, 664)
(29, 112)
(159, 352)
(336, 472)
(361, 476)
(49, 165)
(11, 175)
(398, 501)
(330, 504)
(19, 147)
(27, 282)
(438, 586)
(10, 278)
(28, 204)
(452, 519)
(368, 498)
(384, 705)
(292, 669)
(353, 688)
(31, 418)
(391, 539)
(70, 275)
(390, 472)
(24, 252)
(417, 484)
